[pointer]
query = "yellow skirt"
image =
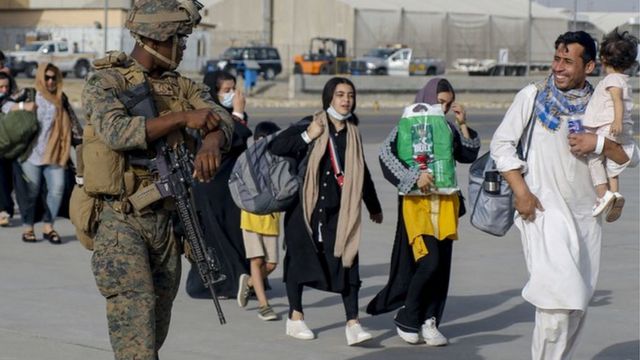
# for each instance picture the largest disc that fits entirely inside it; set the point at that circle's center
(434, 215)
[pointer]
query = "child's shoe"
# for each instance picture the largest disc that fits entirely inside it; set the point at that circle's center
(603, 203)
(243, 290)
(616, 209)
(266, 313)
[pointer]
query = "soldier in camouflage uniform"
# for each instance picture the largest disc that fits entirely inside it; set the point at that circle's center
(136, 259)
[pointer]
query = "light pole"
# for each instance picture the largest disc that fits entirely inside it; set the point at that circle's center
(529, 42)
(106, 25)
(575, 15)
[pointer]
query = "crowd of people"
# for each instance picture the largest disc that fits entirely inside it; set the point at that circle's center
(40, 173)
(555, 189)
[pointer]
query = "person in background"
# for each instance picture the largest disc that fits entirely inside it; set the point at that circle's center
(3, 67)
(221, 216)
(260, 234)
(250, 74)
(6, 174)
(10, 100)
(424, 238)
(50, 152)
(322, 228)
(6, 90)
(223, 89)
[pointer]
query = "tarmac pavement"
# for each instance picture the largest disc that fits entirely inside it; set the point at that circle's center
(50, 307)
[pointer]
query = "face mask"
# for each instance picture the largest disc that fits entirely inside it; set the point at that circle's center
(336, 115)
(227, 99)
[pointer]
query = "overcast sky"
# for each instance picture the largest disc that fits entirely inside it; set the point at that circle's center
(595, 5)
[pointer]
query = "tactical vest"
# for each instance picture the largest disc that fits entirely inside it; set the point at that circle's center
(116, 173)
(106, 172)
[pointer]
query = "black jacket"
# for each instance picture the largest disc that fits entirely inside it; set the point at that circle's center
(308, 260)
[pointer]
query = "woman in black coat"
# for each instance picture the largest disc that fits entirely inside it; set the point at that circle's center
(419, 283)
(220, 215)
(322, 228)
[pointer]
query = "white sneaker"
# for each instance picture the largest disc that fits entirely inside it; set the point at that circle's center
(356, 334)
(431, 335)
(243, 290)
(299, 330)
(616, 208)
(411, 338)
(603, 203)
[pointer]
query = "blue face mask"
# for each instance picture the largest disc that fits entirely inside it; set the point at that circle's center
(227, 99)
(336, 115)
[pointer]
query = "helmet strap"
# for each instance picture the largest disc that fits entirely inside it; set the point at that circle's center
(174, 52)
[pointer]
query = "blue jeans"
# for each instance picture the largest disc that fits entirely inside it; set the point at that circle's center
(54, 178)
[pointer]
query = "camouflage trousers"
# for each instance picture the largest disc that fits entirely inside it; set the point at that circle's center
(136, 264)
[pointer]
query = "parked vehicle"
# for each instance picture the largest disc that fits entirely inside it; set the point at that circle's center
(232, 61)
(426, 66)
(395, 60)
(491, 67)
(325, 56)
(56, 52)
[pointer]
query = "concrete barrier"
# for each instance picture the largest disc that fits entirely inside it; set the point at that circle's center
(411, 84)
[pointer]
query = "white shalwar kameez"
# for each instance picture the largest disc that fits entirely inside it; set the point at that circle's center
(562, 245)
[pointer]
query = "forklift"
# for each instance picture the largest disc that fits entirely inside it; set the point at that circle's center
(325, 56)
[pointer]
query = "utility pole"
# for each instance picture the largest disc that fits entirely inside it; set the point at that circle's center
(529, 41)
(106, 25)
(575, 15)
(267, 21)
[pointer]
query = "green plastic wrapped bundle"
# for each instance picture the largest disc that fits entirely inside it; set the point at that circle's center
(425, 141)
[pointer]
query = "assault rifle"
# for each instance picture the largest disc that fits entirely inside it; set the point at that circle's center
(174, 165)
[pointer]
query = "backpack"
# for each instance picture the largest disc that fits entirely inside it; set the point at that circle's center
(17, 131)
(262, 183)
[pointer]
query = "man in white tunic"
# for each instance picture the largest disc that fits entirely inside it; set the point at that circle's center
(554, 195)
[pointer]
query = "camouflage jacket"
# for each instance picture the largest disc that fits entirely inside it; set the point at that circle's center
(172, 92)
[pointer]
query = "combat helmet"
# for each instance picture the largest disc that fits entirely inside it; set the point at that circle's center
(162, 20)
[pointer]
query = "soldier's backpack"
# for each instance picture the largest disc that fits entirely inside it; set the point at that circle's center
(263, 183)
